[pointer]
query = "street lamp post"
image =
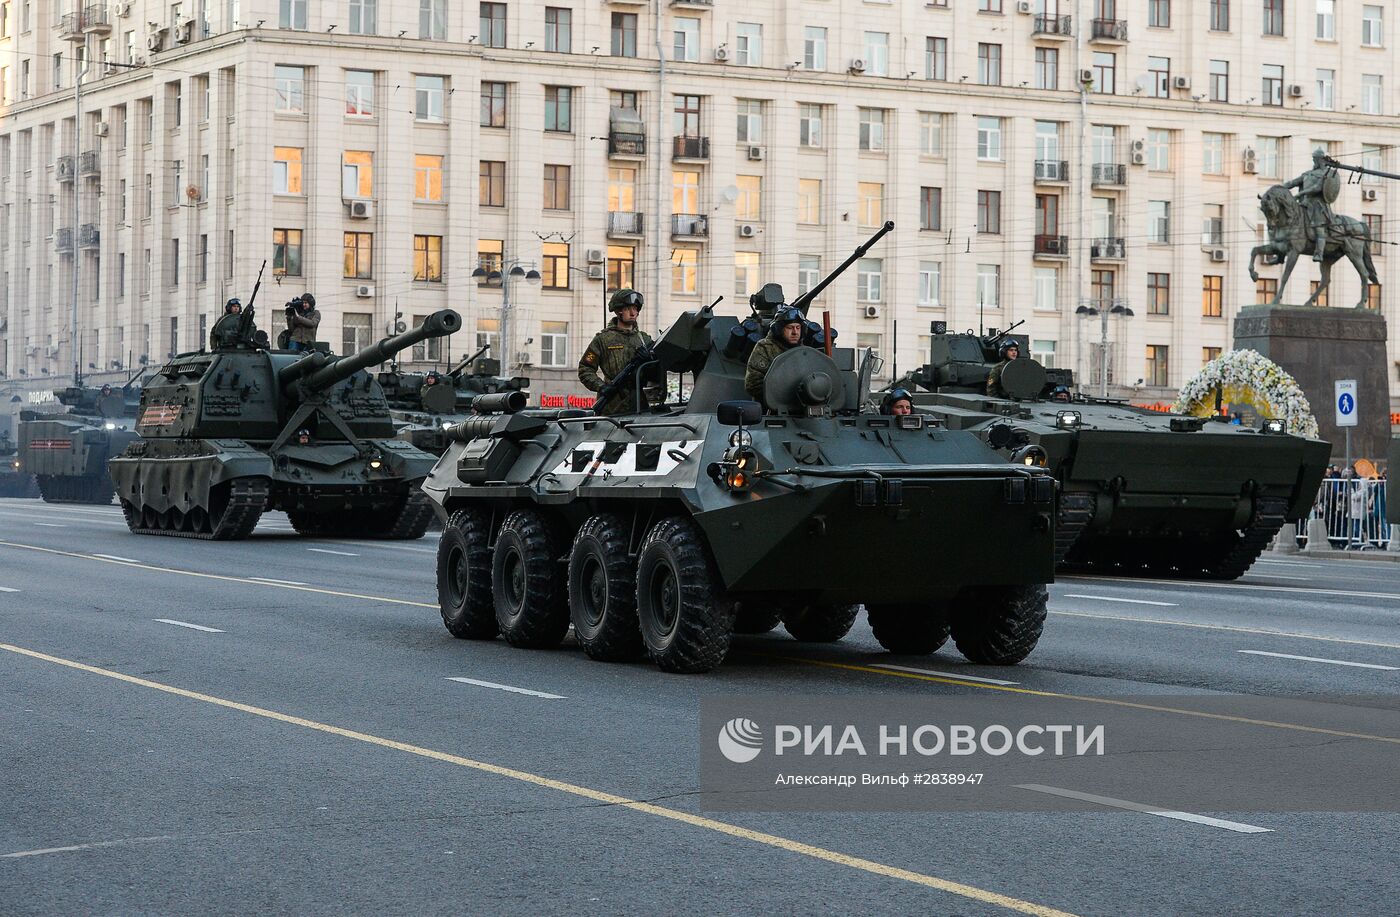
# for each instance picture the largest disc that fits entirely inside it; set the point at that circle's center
(1103, 311)
(510, 270)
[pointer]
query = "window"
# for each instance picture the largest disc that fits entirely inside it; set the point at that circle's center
(930, 133)
(427, 177)
(1159, 14)
(1326, 90)
(1047, 219)
(493, 25)
(359, 256)
(286, 172)
(1312, 291)
(683, 270)
(1159, 76)
(1104, 144)
(1211, 295)
(877, 53)
(151, 194)
(493, 104)
(1371, 93)
(872, 129)
(1220, 81)
(432, 19)
(1273, 84)
(364, 17)
(488, 333)
(554, 343)
(1213, 224)
(429, 350)
(685, 191)
(357, 175)
(750, 123)
(558, 102)
(1047, 68)
(988, 64)
(809, 200)
(286, 252)
(809, 272)
(558, 30)
(1158, 221)
(555, 260)
(745, 273)
(870, 280)
(1265, 289)
(556, 187)
(492, 180)
(1159, 294)
(989, 212)
(1273, 17)
(1047, 299)
(1370, 159)
(1326, 20)
(624, 98)
(291, 14)
(748, 206)
(1208, 354)
(1213, 154)
(174, 262)
(814, 48)
(989, 286)
(291, 88)
(989, 138)
(989, 6)
(1220, 15)
(1267, 156)
(1373, 297)
(490, 257)
(359, 94)
(1372, 26)
(870, 203)
(355, 329)
(930, 284)
(427, 259)
(622, 261)
(685, 34)
(428, 92)
(935, 58)
(1103, 218)
(1105, 73)
(748, 44)
(1375, 227)
(1157, 364)
(931, 208)
(809, 126)
(622, 190)
(624, 34)
(146, 275)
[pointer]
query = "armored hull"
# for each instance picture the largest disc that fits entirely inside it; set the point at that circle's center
(68, 453)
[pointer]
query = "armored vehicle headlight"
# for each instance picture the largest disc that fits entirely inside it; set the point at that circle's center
(1273, 426)
(737, 480)
(109, 426)
(1029, 455)
(376, 463)
(1067, 420)
(745, 459)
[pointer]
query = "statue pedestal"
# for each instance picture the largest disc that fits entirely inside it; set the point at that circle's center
(1319, 346)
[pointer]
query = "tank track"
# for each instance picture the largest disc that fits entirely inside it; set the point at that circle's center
(407, 522)
(412, 520)
(88, 488)
(246, 501)
(1074, 514)
(1268, 519)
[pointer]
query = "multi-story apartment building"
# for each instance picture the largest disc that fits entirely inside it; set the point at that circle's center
(516, 160)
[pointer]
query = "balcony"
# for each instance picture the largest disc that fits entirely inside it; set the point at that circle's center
(63, 240)
(630, 2)
(1108, 30)
(1108, 173)
(70, 27)
(697, 148)
(67, 168)
(1050, 246)
(627, 146)
(89, 164)
(692, 4)
(1054, 171)
(96, 21)
(1109, 249)
(690, 226)
(88, 236)
(1052, 27)
(622, 224)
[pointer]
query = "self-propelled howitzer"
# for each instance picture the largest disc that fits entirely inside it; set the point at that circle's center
(228, 434)
(424, 403)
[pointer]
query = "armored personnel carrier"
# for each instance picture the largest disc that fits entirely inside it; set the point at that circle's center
(229, 433)
(703, 517)
(422, 404)
(67, 453)
(15, 479)
(1141, 492)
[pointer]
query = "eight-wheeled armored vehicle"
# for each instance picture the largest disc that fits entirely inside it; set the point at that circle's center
(230, 433)
(1141, 492)
(68, 453)
(684, 524)
(422, 404)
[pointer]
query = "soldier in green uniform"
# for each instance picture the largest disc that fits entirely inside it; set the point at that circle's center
(225, 331)
(611, 349)
(1008, 352)
(784, 334)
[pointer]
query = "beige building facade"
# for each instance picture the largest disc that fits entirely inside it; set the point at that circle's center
(515, 161)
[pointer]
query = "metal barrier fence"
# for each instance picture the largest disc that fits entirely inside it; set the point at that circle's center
(1354, 513)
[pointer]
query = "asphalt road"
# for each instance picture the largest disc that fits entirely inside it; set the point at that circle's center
(270, 725)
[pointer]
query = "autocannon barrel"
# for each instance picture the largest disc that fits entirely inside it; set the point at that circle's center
(499, 403)
(437, 325)
(471, 428)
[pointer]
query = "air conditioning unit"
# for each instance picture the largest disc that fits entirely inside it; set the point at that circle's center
(523, 358)
(872, 311)
(596, 272)
(103, 129)
(1217, 254)
(721, 54)
(857, 65)
(1251, 161)
(747, 230)
(1139, 146)
(1086, 76)
(155, 40)
(594, 255)
(184, 31)
(1368, 194)
(362, 210)
(1139, 159)
(1181, 82)
(756, 153)
(1295, 91)
(122, 9)
(364, 290)
(1023, 7)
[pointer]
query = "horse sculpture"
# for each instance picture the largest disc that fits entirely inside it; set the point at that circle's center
(1290, 236)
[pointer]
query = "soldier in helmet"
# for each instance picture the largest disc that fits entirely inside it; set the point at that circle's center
(784, 334)
(1009, 350)
(612, 349)
(1315, 195)
(897, 402)
(225, 329)
(1060, 394)
(302, 322)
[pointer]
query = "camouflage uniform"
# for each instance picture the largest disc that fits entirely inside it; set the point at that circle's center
(610, 350)
(301, 326)
(994, 380)
(764, 353)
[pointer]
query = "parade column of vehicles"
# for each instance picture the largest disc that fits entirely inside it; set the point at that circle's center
(68, 453)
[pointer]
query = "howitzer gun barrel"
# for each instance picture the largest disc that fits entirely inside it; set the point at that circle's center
(439, 324)
(805, 300)
(456, 371)
(291, 373)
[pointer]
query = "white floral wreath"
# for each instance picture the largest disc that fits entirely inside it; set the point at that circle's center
(1249, 376)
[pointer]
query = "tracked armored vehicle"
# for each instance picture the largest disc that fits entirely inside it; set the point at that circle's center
(15, 479)
(68, 453)
(1141, 492)
(683, 525)
(422, 404)
(230, 433)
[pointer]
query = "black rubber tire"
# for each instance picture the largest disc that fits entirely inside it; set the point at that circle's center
(464, 577)
(529, 585)
(603, 590)
(685, 616)
(909, 630)
(757, 617)
(820, 622)
(999, 625)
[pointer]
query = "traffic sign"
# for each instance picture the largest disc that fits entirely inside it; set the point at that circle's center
(1346, 402)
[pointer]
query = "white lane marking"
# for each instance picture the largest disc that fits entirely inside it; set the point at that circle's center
(1229, 627)
(1358, 665)
(1294, 563)
(1304, 579)
(210, 630)
(1182, 585)
(329, 551)
(7, 589)
(128, 560)
(51, 525)
(279, 582)
(1146, 810)
(1105, 598)
(513, 690)
(904, 668)
(385, 547)
(43, 850)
